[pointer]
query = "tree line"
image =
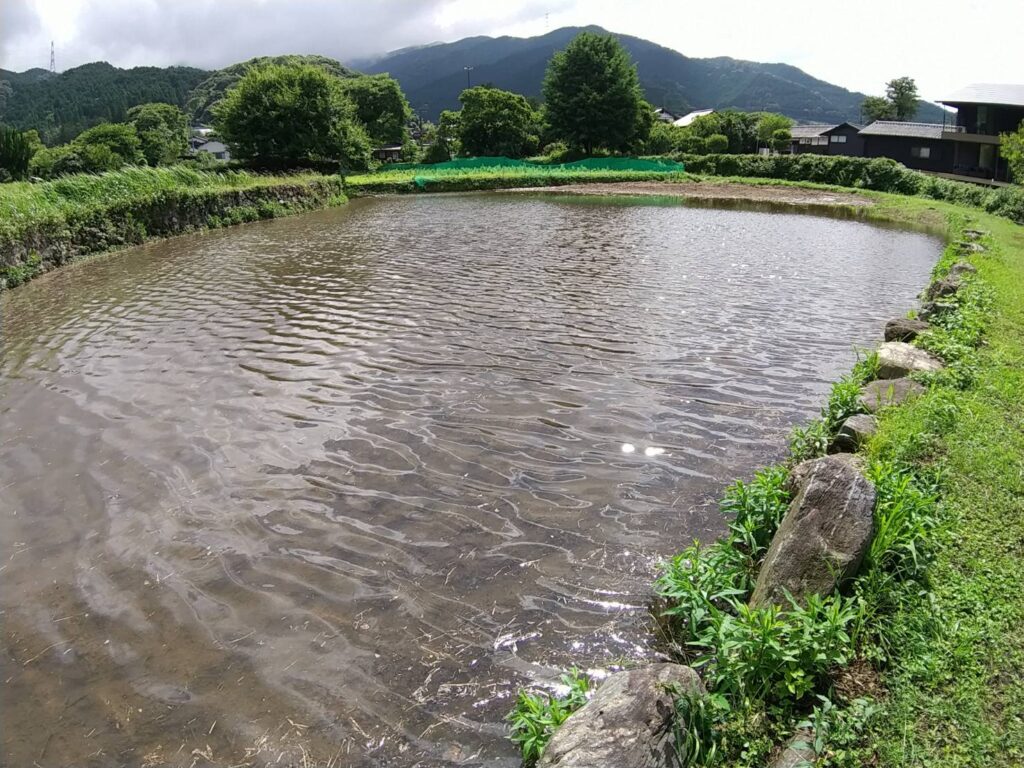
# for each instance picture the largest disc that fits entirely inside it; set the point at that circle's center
(295, 112)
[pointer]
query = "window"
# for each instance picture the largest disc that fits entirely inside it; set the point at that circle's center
(838, 139)
(820, 140)
(805, 141)
(921, 152)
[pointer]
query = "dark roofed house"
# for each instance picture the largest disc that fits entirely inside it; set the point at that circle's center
(916, 145)
(826, 139)
(983, 111)
(389, 154)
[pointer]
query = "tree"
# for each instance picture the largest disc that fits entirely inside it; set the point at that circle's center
(381, 107)
(877, 108)
(162, 130)
(496, 122)
(716, 143)
(281, 116)
(902, 94)
(781, 139)
(72, 158)
(768, 123)
(739, 129)
(16, 152)
(120, 139)
(592, 96)
(1011, 148)
(446, 142)
(662, 138)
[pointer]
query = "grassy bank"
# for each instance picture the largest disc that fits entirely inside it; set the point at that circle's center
(46, 224)
(917, 662)
(470, 179)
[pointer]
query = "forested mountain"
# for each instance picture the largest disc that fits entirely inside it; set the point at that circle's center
(210, 90)
(432, 77)
(62, 106)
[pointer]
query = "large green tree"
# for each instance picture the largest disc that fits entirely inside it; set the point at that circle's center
(877, 108)
(592, 96)
(496, 122)
(768, 123)
(902, 94)
(739, 128)
(162, 130)
(118, 138)
(381, 107)
(281, 116)
(899, 103)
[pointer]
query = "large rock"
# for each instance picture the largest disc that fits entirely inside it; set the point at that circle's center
(947, 286)
(967, 247)
(855, 431)
(823, 536)
(904, 329)
(897, 359)
(798, 752)
(876, 395)
(962, 268)
(974, 234)
(627, 724)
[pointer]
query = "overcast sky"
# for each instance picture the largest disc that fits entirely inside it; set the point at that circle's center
(858, 44)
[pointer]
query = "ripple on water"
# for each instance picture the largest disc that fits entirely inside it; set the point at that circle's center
(336, 485)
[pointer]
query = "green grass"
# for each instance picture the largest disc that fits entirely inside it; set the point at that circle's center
(23, 204)
(503, 177)
(955, 696)
(47, 224)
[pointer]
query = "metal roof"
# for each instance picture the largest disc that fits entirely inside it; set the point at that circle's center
(809, 131)
(691, 116)
(988, 93)
(896, 128)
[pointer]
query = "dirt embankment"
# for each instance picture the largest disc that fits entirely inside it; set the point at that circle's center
(712, 191)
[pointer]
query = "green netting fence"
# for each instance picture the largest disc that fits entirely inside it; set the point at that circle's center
(462, 164)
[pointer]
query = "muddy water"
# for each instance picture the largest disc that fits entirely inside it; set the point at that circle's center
(330, 488)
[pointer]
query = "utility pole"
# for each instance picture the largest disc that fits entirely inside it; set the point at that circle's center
(53, 60)
(468, 70)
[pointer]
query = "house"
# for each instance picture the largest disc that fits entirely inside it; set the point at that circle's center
(389, 154)
(689, 117)
(916, 145)
(216, 148)
(826, 139)
(664, 115)
(983, 111)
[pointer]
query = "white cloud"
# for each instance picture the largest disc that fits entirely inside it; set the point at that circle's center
(859, 45)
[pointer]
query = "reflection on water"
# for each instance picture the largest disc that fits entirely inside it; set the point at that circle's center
(332, 487)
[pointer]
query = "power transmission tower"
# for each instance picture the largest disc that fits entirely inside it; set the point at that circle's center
(53, 59)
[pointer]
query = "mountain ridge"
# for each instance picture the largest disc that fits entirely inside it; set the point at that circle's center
(433, 75)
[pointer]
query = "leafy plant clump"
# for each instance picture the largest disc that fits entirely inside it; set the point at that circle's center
(537, 716)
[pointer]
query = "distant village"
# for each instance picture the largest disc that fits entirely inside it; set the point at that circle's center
(965, 147)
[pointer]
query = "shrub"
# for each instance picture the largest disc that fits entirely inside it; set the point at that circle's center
(716, 143)
(878, 173)
(536, 716)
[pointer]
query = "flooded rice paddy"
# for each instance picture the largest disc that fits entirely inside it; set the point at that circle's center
(330, 488)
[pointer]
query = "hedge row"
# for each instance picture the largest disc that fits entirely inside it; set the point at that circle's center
(877, 173)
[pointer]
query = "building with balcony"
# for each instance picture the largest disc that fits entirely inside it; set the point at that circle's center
(983, 111)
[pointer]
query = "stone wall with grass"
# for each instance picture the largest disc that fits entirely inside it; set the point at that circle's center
(52, 223)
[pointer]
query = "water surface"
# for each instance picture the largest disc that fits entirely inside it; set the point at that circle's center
(332, 487)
